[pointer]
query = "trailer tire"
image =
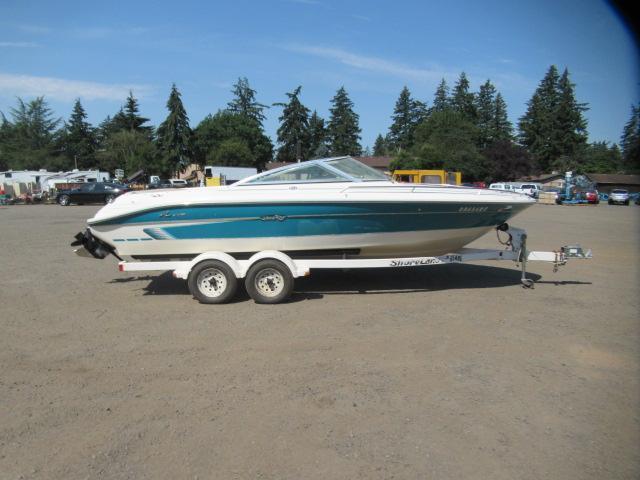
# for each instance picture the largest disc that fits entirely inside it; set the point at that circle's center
(212, 281)
(269, 281)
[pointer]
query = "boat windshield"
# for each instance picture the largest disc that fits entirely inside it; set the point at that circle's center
(344, 169)
(357, 170)
(302, 173)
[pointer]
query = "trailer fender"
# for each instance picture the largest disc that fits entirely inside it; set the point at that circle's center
(297, 270)
(184, 270)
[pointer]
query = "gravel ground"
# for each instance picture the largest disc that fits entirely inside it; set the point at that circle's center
(444, 372)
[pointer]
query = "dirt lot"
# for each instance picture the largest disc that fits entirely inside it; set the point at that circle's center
(447, 372)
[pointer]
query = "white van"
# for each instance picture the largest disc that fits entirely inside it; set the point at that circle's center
(502, 186)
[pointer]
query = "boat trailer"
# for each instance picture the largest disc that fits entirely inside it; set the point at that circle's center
(212, 277)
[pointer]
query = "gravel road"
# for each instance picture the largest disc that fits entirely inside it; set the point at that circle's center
(446, 372)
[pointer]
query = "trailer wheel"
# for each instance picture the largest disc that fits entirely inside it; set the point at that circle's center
(212, 281)
(269, 281)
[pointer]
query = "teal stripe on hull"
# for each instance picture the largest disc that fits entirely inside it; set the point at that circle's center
(304, 219)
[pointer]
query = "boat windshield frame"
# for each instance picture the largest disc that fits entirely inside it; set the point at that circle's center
(327, 164)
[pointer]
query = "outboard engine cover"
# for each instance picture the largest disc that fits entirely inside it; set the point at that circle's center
(95, 247)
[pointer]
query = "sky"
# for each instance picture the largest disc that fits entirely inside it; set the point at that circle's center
(99, 51)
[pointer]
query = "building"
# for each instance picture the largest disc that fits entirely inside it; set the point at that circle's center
(605, 182)
(553, 179)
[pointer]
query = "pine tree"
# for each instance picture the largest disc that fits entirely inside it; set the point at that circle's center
(553, 128)
(486, 111)
(293, 134)
(380, 146)
(343, 128)
(130, 116)
(407, 114)
(174, 135)
(630, 141)
(571, 127)
(318, 147)
(441, 101)
(537, 126)
(502, 129)
(78, 140)
(462, 99)
(32, 135)
(244, 102)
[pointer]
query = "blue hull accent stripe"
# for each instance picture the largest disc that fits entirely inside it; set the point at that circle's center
(304, 219)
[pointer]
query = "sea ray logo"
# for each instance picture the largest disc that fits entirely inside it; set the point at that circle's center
(167, 214)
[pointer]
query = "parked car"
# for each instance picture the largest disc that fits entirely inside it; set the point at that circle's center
(93, 192)
(531, 189)
(592, 196)
(159, 183)
(619, 196)
(178, 183)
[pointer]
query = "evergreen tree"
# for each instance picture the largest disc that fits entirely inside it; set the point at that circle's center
(31, 136)
(462, 99)
(598, 157)
(129, 118)
(78, 140)
(571, 127)
(174, 134)
(486, 112)
(293, 134)
(553, 128)
(630, 141)
(502, 129)
(343, 128)
(318, 147)
(244, 102)
(538, 125)
(380, 146)
(441, 101)
(406, 116)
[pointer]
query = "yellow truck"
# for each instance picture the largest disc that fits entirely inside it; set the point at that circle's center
(428, 176)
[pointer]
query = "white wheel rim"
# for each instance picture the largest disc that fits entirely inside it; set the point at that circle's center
(212, 282)
(269, 282)
(64, 200)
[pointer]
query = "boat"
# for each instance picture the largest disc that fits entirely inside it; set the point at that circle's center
(326, 208)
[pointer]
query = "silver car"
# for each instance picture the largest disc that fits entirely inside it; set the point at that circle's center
(619, 196)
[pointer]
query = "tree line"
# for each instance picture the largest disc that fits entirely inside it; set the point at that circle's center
(462, 130)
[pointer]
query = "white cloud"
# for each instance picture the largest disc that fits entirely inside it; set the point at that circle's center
(18, 44)
(373, 64)
(63, 89)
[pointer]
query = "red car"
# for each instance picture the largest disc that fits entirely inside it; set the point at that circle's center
(591, 196)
